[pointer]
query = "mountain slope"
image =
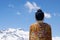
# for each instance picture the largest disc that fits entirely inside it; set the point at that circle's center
(14, 34)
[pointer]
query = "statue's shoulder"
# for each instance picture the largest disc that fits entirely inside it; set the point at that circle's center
(33, 25)
(47, 25)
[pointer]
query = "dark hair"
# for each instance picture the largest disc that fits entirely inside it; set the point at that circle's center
(39, 15)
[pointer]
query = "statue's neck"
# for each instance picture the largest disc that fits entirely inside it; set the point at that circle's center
(39, 22)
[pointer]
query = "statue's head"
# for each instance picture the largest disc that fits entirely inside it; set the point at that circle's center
(39, 15)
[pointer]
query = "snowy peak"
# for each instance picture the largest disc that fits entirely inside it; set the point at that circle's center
(14, 34)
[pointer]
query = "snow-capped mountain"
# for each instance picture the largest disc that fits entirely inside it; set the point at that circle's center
(17, 34)
(14, 34)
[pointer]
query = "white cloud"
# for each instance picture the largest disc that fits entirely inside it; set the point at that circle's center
(47, 15)
(56, 14)
(18, 13)
(10, 5)
(56, 38)
(31, 6)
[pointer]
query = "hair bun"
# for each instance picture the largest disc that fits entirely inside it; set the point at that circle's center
(39, 10)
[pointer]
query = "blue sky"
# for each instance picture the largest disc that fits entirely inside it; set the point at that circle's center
(20, 14)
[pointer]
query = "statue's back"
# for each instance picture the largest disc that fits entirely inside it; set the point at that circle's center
(40, 31)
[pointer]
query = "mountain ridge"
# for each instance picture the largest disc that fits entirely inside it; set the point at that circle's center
(13, 34)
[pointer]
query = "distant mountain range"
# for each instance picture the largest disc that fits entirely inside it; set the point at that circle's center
(17, 34)
(13, 34)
